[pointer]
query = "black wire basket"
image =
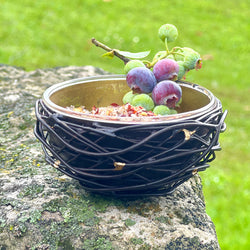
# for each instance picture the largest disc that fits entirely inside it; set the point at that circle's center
(127, 156)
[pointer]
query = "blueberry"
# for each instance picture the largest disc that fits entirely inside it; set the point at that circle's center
(144, 101)
(192, 59)
(128, 97)
(161, 110)
(182, 70)
(169, 32)
(173, 112)
(141, 80)
(166, 69)
(167, 93)
(170, 57)
(133, 64)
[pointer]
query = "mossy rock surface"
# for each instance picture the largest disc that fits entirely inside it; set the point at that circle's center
(40, 208)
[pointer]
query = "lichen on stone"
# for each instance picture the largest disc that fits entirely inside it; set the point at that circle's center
(41, 208)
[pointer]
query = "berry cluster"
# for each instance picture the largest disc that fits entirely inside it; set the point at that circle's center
(153, 83)
(153, 88)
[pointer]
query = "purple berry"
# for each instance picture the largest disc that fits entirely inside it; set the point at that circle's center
(166, 69)
(167, 93)
(141, 80)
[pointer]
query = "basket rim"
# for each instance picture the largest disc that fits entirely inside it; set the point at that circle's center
(214, 102)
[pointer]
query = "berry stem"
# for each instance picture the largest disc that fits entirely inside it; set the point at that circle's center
(177, 48)
(151, 64)
(166, 45)
(147, 63)
(177, 53)
(116, 53)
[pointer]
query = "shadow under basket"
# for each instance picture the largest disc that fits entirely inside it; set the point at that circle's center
(127, 156)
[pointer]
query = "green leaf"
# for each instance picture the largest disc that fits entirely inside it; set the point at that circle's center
(129, 222)
(109, 54)
(131, 55)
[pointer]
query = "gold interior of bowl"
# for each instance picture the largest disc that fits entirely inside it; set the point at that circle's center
(97, 93)
(102, 93)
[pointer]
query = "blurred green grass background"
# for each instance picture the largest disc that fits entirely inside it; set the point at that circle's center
(42, 34)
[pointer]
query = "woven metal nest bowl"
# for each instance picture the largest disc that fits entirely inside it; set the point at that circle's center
(125, 156)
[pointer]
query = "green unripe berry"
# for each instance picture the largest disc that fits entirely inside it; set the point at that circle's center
(128, 97)
(182, 70)
(192, 58)
(133, 64)
(161, 110)
(168, 31)
(173, 112)
(144, 101)
(171, 56)
(178, 55)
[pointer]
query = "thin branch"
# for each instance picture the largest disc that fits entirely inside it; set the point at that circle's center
(116, 53)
